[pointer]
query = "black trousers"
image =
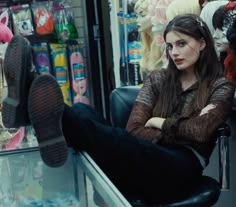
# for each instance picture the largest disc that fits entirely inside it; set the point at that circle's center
(138, 168)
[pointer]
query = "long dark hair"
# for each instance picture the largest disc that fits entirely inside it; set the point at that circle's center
(207, 68)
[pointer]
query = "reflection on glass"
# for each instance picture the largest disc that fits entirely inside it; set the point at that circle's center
(26, 181)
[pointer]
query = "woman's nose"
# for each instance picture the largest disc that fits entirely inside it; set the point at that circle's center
(174, 50)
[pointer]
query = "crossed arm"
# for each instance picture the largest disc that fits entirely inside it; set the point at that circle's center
(157, 122)
(198, 128)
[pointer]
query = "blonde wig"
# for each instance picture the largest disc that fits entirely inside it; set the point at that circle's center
(144, 6)
(183, 7)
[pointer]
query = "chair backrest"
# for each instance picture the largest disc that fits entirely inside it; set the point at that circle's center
(121, 103)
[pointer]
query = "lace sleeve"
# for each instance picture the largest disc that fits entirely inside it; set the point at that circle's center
(201, 128)
(140, 114)
(143, 108)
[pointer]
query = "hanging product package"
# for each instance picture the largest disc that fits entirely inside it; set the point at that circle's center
(22, 20)
(41, 58)
(43, 17)
(79, 81)
(64, 23)
(61, 69)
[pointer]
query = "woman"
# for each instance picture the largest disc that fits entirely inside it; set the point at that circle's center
(171, 131)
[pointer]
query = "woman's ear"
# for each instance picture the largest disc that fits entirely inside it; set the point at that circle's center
(202, 44)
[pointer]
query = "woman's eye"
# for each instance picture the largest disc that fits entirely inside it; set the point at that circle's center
(181, 44)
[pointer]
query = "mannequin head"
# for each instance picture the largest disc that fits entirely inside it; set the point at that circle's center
(208, 11)
(222, 19)
(143, 9)
(143, 17)
(223, 22)
(178, 7)
(218, 23)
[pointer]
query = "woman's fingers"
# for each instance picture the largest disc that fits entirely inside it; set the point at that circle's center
(207, 108)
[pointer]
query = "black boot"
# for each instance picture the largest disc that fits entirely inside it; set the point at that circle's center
(45, 107)
(19, 74)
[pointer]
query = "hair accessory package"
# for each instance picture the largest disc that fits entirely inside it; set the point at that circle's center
(22, 20)
(78, 74)
(41, 58)
(61, 69)
(64, 23)
(43, 17)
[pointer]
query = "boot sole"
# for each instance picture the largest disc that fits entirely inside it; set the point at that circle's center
(17, 65)
(45, 107)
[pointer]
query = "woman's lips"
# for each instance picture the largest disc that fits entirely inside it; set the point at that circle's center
(178, 61)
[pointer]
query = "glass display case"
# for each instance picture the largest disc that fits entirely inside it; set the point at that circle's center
(26, 181)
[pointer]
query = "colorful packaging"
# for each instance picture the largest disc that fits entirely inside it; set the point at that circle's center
(61, 70)
(43, 17)
(130, 49)
(78, 74)
(22, 19)
(41, 58)
(64, 23)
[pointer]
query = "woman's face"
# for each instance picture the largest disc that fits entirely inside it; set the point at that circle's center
(220, 44)
(183, 49)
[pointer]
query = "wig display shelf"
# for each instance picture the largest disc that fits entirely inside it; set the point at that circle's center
(26, 181)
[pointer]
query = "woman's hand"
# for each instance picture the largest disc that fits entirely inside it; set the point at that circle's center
(155, 122)
(206, 109)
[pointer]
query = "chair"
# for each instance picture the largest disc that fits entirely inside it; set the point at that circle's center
(208, 191)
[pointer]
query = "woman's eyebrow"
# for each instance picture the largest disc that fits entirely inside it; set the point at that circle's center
(179, 40)
(172, 42)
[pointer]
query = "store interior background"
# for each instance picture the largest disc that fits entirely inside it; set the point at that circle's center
(227, 197)
(98, 27)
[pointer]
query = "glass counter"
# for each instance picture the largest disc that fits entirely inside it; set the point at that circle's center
(26, 181)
